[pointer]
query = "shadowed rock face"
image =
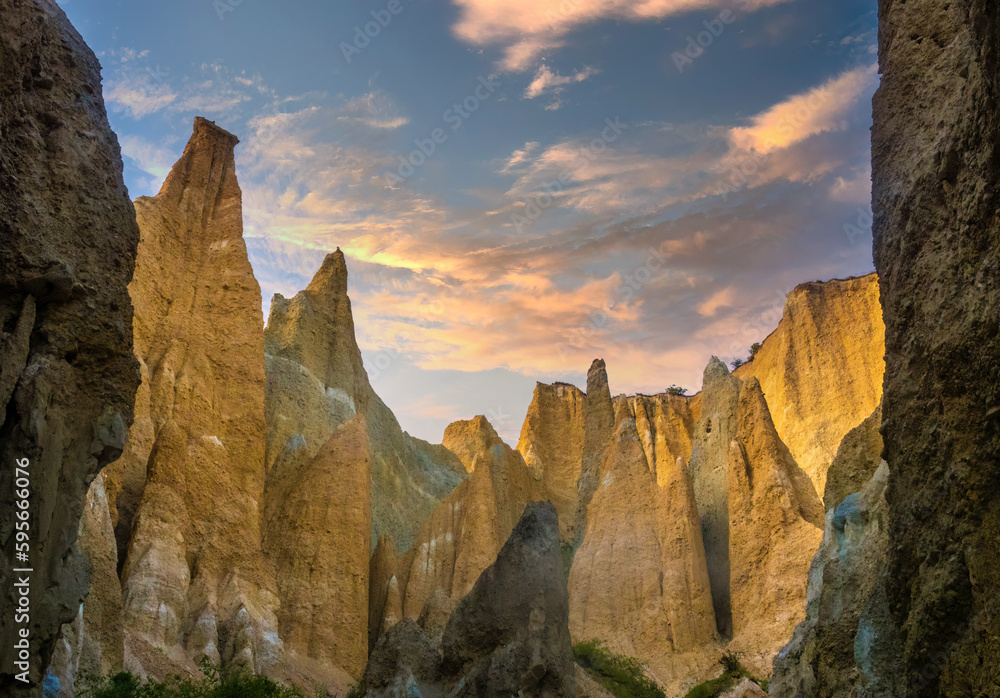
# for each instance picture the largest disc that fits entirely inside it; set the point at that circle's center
(598, 428)
(194, 579)
(67, 247)
(713, 433)
(935, 170)
(820, 660)
(508, 636)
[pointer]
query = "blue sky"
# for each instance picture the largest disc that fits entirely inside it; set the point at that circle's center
(519, 187)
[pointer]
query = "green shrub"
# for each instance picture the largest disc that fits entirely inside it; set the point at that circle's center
(732, 671)
(213, 684)
(623, 676)
(676, 390)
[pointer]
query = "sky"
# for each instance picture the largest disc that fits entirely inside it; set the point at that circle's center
(519, 186)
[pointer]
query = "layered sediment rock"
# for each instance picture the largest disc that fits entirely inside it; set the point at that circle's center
(935, 167)
(194, 579)
(823, 655)
(94, 643)
(776, 524)
(665, 424)
(316, 382)
(821, 369)
(508, 636)
(469, 527)
(598, 430)
(639, 581)
(713, 434)
(67, 375)
(551, 442)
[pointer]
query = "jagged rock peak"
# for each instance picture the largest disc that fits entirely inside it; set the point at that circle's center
(470, 438)
(714, 370)
(331, 279)
(206, 170)
(597, 376)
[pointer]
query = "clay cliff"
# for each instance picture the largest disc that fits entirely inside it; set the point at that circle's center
(194, 579)
(639, 581)
(821, 369)
(468, 528)
(67, 375)
(551, 442)
(935, 165)
(316, 382)
(775, 527)
(508, 636)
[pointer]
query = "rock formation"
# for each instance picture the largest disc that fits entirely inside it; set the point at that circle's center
(598, 429)
(67, 375)
(665, 424)
(775, 527)
(639, 581)
(94, 643)
(823, 655)
(935, 165)
(821, 369)
(469, 527)
(317, 381)
(714, 432)
(551, 442)
(508, 636)
(194, 579)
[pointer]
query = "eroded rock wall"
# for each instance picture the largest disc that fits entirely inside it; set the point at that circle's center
(68, 241)
(935, 170)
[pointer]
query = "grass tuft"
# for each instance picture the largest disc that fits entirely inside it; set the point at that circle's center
(623, 676)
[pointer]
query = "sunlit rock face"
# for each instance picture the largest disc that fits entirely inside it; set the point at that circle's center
(194, 579)
(551, 442)
(67, 374)
(935, 167)
(639, 582)
(775, 527)
(821, 369)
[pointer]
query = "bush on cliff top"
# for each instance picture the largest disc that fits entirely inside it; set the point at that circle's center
(622, 676)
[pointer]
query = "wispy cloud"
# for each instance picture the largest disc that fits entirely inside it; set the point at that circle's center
(548, 81)
(526, 29)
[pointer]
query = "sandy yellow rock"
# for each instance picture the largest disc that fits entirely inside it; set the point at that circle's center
(194, 581)
(551, 442)
(776, 522)
(639, 582)
(469, 527)
(821, 369)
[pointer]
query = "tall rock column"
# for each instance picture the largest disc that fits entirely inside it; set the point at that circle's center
(775, 527)
(194, 579)
(936, 177)
(67, 375)
(551, 442)
(598, 429)
(714, 431)
(317, 508)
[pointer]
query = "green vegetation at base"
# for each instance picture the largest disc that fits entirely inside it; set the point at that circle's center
(732, 671)
(213, 684)
(622, 676)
